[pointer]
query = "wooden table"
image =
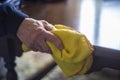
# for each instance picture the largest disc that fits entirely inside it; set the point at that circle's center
(67, 12)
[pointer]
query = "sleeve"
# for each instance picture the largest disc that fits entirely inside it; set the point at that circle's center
(10, 19)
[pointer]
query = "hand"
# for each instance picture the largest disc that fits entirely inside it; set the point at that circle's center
(47, 25)
(34, 33)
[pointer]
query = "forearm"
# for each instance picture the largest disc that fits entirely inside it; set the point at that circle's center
(105, 57)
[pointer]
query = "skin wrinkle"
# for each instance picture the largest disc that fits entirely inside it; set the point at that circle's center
(53, 40)
(40, 39)
(34, 34)
(48, 26)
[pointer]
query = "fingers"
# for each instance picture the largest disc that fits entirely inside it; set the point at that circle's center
(51, 37)
(43, 47)
(47, 25)
(40, 45)
(55, 40)
(37, 42)
(34, 34)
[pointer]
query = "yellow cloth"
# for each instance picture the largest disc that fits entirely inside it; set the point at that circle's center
(76, 57)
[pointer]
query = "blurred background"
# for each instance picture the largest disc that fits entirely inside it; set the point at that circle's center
(99, 20)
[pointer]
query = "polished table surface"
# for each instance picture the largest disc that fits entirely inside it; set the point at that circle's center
(98, 20)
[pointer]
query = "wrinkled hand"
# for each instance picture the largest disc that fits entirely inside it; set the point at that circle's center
(34, 33)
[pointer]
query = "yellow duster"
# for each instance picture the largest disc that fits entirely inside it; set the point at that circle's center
(76, 57)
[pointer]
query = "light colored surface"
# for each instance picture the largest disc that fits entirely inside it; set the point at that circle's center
(32, 62)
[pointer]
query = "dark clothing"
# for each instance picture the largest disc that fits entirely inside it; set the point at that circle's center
(10, 19)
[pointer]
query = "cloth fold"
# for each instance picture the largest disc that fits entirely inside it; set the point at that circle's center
(76, 57)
